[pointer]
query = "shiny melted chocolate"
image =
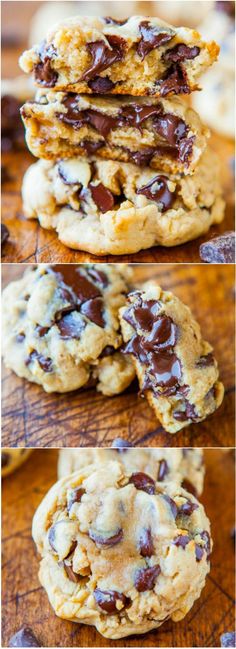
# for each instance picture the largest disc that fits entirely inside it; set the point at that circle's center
(151, 38)
(157, 190)
(103, 55)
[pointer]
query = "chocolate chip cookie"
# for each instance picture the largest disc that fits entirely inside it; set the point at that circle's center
(111, 207)
(184, 466)
(176, 367)
(120, 551)
(138, 56)
(60, 327)
(12, 458)
(161, 133)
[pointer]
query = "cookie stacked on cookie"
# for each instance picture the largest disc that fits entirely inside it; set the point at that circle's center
(124, 162)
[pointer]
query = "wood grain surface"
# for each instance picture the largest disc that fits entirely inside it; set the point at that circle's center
(25, 602)
(31, 417)
(28, 241)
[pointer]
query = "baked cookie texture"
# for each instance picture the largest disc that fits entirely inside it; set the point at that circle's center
(176, 368)
(120, 551)
(111, 207)
(61, 329)
(183, 466)
(12, 458)
(164, 134)
(138, 56)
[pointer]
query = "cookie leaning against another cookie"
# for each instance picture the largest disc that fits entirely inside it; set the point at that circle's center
(137, 56)
(61, 329)
(175, 366)
(119, 551)
(183, 466)
(164, 134)
(112, 207)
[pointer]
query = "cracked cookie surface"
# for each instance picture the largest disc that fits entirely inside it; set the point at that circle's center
(60, 327)
(184, 466)
(175, 366)
(138, 56)
(111, 207)
(119, 551)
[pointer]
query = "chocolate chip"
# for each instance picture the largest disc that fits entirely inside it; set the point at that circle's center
(46, 364)
(228, 639)
(166, 368)
(4, 234)
(205, 361)
(180, 52)
(107, 351)
(90, 147)
(102, 196)
(187, 508)
(71, 325)
(120, 444)
(141, 158)
(101, 85)
(107, 599)
(5, 459)
(98, 276)
(24, 638)
(72, 276)
(163, 335)
(75, 497)
(94, 311)
(52, 538)
(172, 505)
(206, 538)
(142, 313)
(41, 331)
(151, 38)
(157, 190)
(20, 337)
(145, 543)
(162, 471)
(72, 576)
(188, 412)
(186, 484)
(175, 81)
(146, 577)
(199, 552)
(108, 541)
(181, 540)
(113, 21)
(220, 250)
(143, 482)
(43, 71)
(104, 56)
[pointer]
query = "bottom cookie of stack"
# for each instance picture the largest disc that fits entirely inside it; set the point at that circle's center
(108, 207)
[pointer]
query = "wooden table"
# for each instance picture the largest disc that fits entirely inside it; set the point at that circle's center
(31, 417)
(25, 602)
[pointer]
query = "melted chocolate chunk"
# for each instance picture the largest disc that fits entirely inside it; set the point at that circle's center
(145, 543)
(75, 497)
(165, 368)
(189, 487)
(113, 21)
(142, 158)
(146, 577)
(142, 314)
(143, 482)
(104, 56)
(157, 190)
(101, 85)
(228, 639)
(98, 276)
(175, 81)
(102, 196)
(5, 459)
(182, 540)
(188, 412)
(46, 364)
(151, 38)
(107, 599)
(199, 552)
(162, 471)
(20, 337)
(121, 444)
(206, 538)
(44, 73)
(205, 361)
(220, 250)
(187, 508)
(107, 351)
(90, 147)
(41, 331)
(4, 234)
(108, 541)
(72, 576)
(180, 52)
(172, 505)
(94, 311)
(52, 539)
(163, 335)
(24, 638)
(72, 276)
(71, 325)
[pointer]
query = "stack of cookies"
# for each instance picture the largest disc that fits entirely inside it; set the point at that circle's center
(125, 165)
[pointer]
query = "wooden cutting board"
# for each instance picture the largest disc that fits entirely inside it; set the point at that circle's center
(30, 417)
(25, 602)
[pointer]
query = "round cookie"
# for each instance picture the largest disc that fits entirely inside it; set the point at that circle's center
(113, 207)
(119, 551)
(12, 458)
(184, 466)
(60, 327)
